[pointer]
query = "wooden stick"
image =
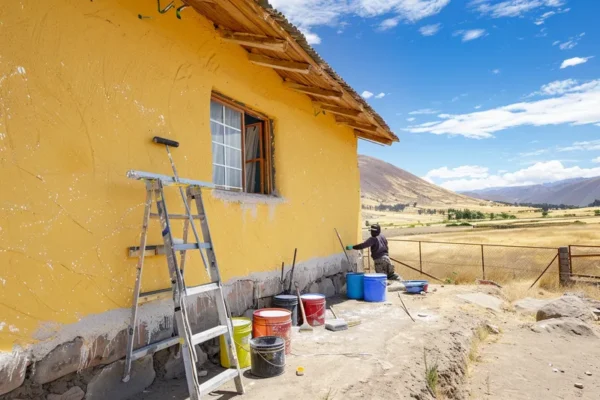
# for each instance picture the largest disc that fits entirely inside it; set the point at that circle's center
(405, 309)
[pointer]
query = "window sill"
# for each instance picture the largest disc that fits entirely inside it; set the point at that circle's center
(232, 196)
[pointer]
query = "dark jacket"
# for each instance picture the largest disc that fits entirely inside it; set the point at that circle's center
(378, 245)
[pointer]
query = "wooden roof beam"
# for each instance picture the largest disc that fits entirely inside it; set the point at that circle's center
(252, 40)
(293, 66)
(355, 124)
(373, 138)
(314, 91)
(345, 112)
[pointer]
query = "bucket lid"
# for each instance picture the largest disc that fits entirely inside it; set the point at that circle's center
(378, 276)
(354, 273)
(272, 312)
(240, 322)
(312, 296)
(288, 297)
(267, 342)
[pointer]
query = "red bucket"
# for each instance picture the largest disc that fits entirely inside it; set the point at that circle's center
(314, 308)
(273, 322)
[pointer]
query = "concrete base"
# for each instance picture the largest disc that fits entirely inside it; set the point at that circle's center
(99, 340)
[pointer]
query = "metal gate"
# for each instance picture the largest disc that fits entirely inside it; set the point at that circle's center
(584, 262)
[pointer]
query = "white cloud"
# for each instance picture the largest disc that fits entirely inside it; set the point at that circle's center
(366, 94)
(534, 153)
(495, 71)
(556, 87)
(555, 42)
(464, 171)
(477, 107)
(541, 172)
(511, 8)
(569, 44)
(582, 146)
(311, 37)
(596, 160)
(430, 30)
(470, 34)
(543, 17)
(380, 95)
(579, 106)
(307, 14)
(411, 119)
(571, 62)
(423, 111)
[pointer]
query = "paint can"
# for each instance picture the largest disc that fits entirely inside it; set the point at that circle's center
(314, 308)
(242, 333)
(289, 302)
(273, 322)
(268, 356)
(375, 287)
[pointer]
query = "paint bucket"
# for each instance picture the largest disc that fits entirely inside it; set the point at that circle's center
(268, 356)
(242, 330)
(375, 286)
(314, 308)
(416, 286)
(355, 285)
(273, 322)
(289, 302)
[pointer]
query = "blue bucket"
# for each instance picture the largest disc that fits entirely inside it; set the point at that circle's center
(355, 285)
(415, 286)
(375, 287)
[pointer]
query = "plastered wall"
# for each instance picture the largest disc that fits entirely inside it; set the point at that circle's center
(84, 86)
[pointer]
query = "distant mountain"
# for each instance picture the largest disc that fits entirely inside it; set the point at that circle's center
(576, 192)
(381, 182)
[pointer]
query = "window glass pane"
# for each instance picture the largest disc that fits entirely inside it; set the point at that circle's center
(233, 157)
(253, 177)
(233, 138)
(218, 175)
(216, 111)
(234, 178)
(217, 131)
(252, 142)
(233, 118)
(218, 154)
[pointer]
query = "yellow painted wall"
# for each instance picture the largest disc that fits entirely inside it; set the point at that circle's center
(84, 85)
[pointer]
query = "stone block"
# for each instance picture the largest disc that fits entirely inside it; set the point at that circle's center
(326, 287)
(107, 383)
(13, 368)
(63, 360)
(75, 393)
(314, 288)
(339, 281)
(239, 296)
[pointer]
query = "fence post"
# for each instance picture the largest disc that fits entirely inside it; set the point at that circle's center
(482, 262)
(420, 259)
(564, 266)
(369, 258)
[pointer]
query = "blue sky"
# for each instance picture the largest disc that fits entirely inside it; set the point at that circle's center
(481, 93)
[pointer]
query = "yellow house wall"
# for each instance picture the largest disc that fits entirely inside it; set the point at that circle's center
(84, 86)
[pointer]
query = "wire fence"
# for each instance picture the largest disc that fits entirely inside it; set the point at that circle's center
(584, 261)
(467, 262)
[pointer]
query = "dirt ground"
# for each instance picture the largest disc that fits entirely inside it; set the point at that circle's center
(385, 356)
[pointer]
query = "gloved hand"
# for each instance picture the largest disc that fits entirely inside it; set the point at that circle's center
(349, 247)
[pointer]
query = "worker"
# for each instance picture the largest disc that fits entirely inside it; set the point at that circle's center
(379, 252)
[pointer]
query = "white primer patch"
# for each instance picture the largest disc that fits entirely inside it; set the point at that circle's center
(273, 313)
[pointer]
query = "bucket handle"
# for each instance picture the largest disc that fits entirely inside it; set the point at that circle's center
(316, 312)
(267, 361)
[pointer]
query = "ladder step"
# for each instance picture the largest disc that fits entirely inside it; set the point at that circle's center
(192, 291)
(154, 347)
(175, 216)
(208, 334)
(216, 381)
(191, 246)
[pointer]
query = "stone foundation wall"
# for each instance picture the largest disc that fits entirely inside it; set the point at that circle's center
(86, 358)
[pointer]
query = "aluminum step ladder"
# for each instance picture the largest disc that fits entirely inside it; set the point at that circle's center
(184, 336)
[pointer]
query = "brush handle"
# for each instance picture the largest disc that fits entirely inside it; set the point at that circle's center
(301, 306)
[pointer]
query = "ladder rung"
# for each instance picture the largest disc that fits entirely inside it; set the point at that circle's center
(208, 334)
(154, 347)
(216, 381)
(175, 216)
(191, 246)
(146, 297)
(192, 291)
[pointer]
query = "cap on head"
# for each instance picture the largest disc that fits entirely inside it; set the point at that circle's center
(375, 230)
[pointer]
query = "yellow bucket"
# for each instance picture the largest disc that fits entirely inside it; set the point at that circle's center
(242, 333)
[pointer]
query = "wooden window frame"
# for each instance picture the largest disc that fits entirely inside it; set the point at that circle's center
(266, 161)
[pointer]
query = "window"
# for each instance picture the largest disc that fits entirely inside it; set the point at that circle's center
(240, 148)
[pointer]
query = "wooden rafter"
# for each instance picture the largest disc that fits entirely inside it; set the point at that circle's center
(373, 138)
(357, 125)
(346, 112)
(294, 66)
(253, 40)
(314, 91)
